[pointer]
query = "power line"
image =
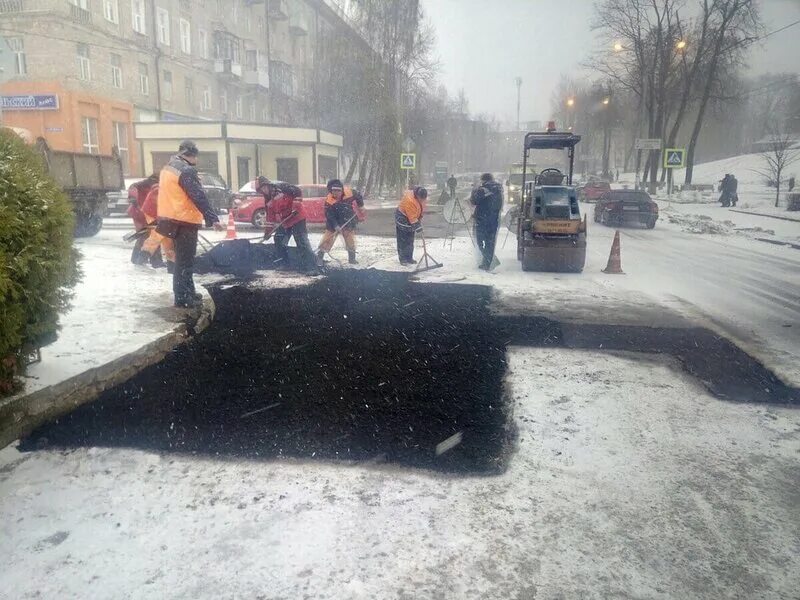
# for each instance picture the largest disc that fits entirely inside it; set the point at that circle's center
(92, 44)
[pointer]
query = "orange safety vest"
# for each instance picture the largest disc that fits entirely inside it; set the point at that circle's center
(346, 195)
(173, 202)
(410, 207)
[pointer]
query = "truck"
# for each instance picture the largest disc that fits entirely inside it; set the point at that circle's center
(514, 181)
(86, 179)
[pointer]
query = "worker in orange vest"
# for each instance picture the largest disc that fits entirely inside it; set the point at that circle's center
(341, 217)
(408, 222)
(182, 208)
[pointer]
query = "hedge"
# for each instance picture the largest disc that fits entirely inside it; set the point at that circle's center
(38, 264)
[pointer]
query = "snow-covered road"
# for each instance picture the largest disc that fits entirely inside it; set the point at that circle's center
(746, 289)
(627, 480)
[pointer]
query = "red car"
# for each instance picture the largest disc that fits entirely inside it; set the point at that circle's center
(249, 205)
(593, 191)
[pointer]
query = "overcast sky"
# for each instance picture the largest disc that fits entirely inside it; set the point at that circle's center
(484, 44)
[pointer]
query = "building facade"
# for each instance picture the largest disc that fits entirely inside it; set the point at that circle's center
(249, 61)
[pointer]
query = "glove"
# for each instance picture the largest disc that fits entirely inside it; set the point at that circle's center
(268, 230)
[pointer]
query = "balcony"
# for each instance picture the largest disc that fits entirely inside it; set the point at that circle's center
(12, 6)
(277, 10)
(80, 15)
(227, 67)
(257, 77)
(298, 25)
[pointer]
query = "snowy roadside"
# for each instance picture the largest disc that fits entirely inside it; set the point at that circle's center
(622, 465)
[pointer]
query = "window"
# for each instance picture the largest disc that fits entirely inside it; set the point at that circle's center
(17, 48)
(252, 110)
(84, 67)
(116, 71)
(239, 107)
(121, 142)
(168, 85)
(144, 79)
(188, 87)
(186, 36)
(138, 17)
(82, 4)
(111, 11)
(206, 98)
(162, 25)
(202, 36)
(91, 143)
(265, 115)
(223, 102)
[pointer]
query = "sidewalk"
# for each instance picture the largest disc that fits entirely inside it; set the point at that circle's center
(121, 320)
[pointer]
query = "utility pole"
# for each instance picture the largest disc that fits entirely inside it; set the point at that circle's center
(518, 81)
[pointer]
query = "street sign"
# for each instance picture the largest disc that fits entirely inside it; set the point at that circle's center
(30, 102)
(648, 144)
(674, 158)
(408, 161)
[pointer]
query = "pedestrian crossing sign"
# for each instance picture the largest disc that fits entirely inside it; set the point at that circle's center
(408, 161)
(674, 158)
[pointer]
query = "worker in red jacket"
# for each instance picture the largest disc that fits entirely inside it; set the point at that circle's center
(155, 244)
(286, 218)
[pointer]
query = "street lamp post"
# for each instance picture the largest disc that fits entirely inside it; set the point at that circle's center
(518, 81)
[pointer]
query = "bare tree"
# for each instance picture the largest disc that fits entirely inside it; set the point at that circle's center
(780, 154)
(735, 24)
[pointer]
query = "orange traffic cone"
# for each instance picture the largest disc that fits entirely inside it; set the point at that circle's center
(231, 234)
(614, 266)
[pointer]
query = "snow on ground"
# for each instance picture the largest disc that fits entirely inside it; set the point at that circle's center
(112, 312)
(628, 480)
(754, 195)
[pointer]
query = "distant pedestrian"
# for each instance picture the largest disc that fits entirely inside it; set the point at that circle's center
(734, 190)
(791, 183)
(340, 218)
(617, 175)
(725, 189)
(452, 184)
(182, 208)
(408, 222)
(488, 201)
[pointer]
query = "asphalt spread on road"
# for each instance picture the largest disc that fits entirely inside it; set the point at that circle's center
(366, 366)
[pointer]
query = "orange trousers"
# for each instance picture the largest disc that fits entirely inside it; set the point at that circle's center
(154, 240)
(330, 236)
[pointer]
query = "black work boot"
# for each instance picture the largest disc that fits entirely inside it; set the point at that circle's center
(320, 258)
(351, 257)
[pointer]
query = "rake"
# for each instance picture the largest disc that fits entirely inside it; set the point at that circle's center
(430, 262)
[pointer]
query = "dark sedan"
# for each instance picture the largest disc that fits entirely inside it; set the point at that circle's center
(626, 207)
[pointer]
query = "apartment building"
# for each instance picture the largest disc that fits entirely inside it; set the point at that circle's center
(159, 60)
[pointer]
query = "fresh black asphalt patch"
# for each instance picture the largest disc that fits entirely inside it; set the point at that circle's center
(365, 366)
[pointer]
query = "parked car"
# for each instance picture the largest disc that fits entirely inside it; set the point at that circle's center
(249, 204)
(217, 191)
(593, 190)
(626, 207)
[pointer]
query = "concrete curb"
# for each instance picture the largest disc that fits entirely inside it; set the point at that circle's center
(747, 212)
(21, 414)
